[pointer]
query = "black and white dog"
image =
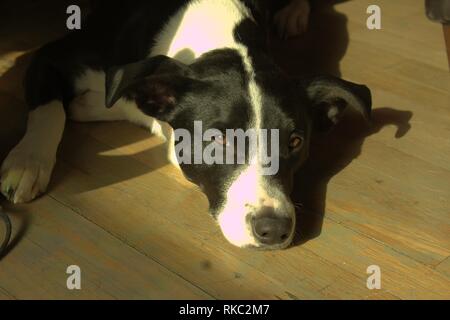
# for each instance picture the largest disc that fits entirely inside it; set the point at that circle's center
(166, 64)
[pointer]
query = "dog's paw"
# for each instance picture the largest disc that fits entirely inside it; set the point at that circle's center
(24, 175)
(293, 19)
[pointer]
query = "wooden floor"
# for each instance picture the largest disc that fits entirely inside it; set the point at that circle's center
(137, 229)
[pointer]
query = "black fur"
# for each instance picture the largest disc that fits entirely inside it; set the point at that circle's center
(117, 32)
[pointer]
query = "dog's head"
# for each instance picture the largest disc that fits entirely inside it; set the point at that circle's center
(241, 132)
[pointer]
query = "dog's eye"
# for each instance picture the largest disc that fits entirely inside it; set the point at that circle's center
(295, 142)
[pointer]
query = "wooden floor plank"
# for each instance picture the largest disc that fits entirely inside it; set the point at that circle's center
(406, 32)
(57, 238)
(4, 295)
(444, 267)
(413, 219)
(401, 276)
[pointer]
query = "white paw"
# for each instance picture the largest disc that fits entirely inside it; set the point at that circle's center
(24, 175)
(293, 19)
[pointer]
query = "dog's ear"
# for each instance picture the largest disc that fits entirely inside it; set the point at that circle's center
(330, 96)
(154, 84)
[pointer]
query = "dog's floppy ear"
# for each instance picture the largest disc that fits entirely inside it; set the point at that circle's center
(330, 96)
(121, 78)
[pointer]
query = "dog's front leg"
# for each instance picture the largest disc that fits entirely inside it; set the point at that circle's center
(26, 171)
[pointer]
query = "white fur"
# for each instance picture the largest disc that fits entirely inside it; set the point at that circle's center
(26, 171)
(199, 27)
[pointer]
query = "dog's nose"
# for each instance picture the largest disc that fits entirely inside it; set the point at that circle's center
(272, 229)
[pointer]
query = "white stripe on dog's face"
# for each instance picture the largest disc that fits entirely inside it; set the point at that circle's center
(242, 193)
(250, 192)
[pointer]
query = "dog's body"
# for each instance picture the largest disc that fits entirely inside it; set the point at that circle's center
(164, 68)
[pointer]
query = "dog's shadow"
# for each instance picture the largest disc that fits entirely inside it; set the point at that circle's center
(329, 155)
(319, 51)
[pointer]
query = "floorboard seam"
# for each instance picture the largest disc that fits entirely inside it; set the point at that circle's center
(382, 243)
(132, 247)
(6, 292)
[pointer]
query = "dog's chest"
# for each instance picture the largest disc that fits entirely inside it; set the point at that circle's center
(199, 27)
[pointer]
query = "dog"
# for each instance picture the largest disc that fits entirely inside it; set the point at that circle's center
(165, 65)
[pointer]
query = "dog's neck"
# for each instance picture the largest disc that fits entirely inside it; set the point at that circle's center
(202, 26)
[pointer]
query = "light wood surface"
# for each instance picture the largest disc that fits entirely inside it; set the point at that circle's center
(138, 230)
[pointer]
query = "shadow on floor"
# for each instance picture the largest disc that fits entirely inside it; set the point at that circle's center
(320, 51)
(331, 154)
